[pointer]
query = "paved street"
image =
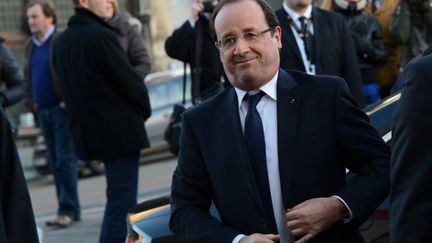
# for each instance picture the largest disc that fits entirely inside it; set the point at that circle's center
(154, 180)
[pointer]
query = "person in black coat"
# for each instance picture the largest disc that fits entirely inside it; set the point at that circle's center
(192, 43)
(17, 222)
(329, 49)
(368, 42)
(108, 104)
(12, 76)
(411, 165)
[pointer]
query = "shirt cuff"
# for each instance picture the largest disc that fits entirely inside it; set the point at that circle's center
(350, 216)
(238, 238)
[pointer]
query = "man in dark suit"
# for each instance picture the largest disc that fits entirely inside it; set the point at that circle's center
(410, 170)
(108, 104)
(318, 42)
(274, 164)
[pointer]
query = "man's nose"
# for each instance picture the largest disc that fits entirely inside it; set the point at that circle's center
(241, 46)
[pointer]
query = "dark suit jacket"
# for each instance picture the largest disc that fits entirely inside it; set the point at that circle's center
(17, 222)
(411, 167)
(334, 51)
(319, 135)
(105, 98)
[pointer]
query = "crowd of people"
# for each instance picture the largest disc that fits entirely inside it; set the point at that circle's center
(288, 85)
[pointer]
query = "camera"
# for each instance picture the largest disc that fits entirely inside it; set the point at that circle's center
(210, 5)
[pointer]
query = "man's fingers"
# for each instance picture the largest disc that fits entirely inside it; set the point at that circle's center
(294, 224)
(260, 238)
(305, 238)
(271, 237)
(298, 232)
(294, 214)
(300, 205)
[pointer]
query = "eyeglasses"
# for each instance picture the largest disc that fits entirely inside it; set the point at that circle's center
(249, 37)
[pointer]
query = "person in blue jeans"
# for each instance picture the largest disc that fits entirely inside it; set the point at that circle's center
(46, 97)
(107, 103)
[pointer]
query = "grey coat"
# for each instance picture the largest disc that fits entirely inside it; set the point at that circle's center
(132, 43)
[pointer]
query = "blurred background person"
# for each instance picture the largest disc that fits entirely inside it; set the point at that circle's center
(47, 98)
(388, 73)
(316, 41)
(411, 27)
(17, 222)
(11, 76)
(192, 43)
(108, 104)
(128, 31)
(368, 42)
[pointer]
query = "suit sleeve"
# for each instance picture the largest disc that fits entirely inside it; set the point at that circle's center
(122, 75)
(351, 67)
(364, 153)
(191, 196)
(180, 44)
(410, 172)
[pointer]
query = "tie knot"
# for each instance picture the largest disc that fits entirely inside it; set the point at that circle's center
(254, 99)
(303, 23)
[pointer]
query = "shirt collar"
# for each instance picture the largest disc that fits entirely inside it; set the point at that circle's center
(45, 38)
(295, 15)
(269, 89)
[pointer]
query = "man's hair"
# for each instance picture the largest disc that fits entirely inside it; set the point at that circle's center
(47, 8)
(268, 11)
(75, 3)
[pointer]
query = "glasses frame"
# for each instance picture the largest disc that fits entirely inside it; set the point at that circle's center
(221, 46)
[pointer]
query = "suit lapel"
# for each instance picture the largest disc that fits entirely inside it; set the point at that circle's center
(288, 106)
(287, 34)
(319, 28)
(236, 149)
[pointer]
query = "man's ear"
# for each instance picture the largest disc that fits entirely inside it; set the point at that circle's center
(83, 3)
(278, 36)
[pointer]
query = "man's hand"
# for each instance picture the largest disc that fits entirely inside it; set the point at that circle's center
(260, 238)
(197, 7)
(313, 216)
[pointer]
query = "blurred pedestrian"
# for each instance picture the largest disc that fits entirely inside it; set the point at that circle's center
(11, 76)
(128, 31)
(192, 43)
(108, 104)
(17, 222)
(368, 41)
(388, 73)
(411, 166)
(276, 168)
(411, 27)
(316, 41)
(47, 99)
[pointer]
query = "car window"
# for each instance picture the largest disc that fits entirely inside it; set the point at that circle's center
(168, 92)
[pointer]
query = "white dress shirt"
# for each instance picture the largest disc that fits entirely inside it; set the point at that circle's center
(45, 38)
(295, 18)
(267, 110)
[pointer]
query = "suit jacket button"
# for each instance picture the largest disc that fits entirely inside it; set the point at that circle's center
(264, 223)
